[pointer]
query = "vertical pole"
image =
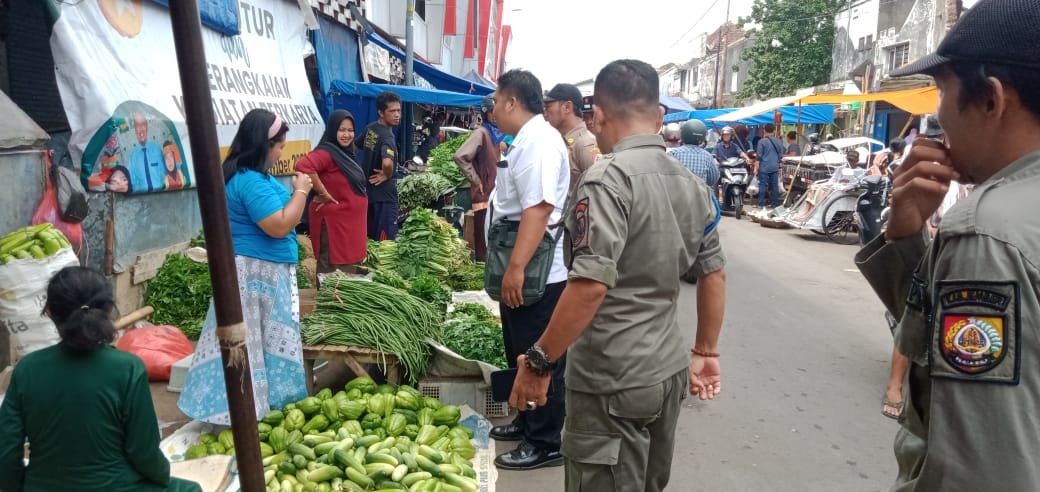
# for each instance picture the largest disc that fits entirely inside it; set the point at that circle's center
(231, 331)
(720, 67)
(409, 42)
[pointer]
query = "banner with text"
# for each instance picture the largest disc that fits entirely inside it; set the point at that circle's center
(117, 73)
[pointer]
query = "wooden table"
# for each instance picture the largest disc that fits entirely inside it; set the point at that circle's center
(353, 357)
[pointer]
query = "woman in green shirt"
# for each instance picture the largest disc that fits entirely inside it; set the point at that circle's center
(84, 406)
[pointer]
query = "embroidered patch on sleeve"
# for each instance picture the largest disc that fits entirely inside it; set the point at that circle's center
(581, 224)
(977, 334)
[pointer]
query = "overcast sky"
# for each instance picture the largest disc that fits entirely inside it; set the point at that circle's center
(571, 40)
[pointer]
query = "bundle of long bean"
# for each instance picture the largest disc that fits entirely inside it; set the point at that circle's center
(373, 315)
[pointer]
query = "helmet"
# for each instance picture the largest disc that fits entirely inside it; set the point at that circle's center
(814, 138)
(487, 105)
(694, 132)
(670, 129)
(727, 130)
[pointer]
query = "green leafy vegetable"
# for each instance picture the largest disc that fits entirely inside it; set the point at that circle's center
(473, 333)
(421, 190)
(467, 277)
(442, 160)
(429, 289)
(180, 293)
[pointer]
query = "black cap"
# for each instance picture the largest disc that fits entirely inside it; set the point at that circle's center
(586, 104)
(566, 92)
(1001, 32)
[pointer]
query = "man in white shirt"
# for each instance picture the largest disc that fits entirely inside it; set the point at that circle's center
(531, 188)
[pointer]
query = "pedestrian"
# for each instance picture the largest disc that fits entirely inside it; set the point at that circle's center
(528, 201)
(639, 221)
(338, 214)
(478, 158)
(563, 112)
(967, 302)
(262, 216)
(793, 148)
(380, 162)
(586, 111)
(770, 151)
(84, 406)
(692, 154)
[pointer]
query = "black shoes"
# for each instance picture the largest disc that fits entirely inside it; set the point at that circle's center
(508, 432)
(528, 457)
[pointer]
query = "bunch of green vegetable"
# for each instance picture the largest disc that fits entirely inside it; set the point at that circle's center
(442, 160)
(362, 438)
(425, 244)
(473, 332)
(429, 289)
(421, 190)
(180, 293)
(374, 315)
(33, 242)
(467, 277)
(391, 278)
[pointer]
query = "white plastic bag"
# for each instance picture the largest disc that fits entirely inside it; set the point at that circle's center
(23, 292)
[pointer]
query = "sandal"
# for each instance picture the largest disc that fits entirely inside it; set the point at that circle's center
(886, 404)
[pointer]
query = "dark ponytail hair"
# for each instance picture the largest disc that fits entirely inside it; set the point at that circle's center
(80, 302)
(251, 143)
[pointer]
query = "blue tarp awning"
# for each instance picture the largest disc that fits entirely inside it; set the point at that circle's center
(811, 114)
(674, 104)
(439, 79)
(409, 94)
(219, 15)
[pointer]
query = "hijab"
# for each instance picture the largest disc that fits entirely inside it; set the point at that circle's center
(343, 156)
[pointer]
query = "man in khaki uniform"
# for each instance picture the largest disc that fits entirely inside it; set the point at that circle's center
(968, 303)
(563, 111)
(638, 221)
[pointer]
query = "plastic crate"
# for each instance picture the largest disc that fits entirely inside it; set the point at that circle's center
(464, 391)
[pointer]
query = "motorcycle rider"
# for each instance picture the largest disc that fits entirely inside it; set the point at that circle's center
(691, 153)
(728, 148)
(814, 144)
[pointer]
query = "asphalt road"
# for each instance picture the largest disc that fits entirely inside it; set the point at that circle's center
(805, 360)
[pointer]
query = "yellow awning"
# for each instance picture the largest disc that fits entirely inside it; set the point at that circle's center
(914, 101)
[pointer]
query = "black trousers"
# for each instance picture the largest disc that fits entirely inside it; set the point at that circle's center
(521, 328)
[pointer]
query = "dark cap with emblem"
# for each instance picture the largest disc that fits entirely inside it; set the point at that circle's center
(566, 92)
(586, 104)
(999, 32)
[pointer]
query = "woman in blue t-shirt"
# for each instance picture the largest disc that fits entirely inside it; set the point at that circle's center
(263, 216)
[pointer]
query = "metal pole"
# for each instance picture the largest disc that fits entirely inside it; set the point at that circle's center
(409, 42)
(231, 331)
(720, 63)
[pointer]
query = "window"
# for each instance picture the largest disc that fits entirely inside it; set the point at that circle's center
(420, 9)
(898, 56)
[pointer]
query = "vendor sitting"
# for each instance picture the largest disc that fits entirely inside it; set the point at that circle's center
(84, 406)
(852, 157)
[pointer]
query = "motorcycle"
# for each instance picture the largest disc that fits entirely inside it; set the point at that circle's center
(736, 176)
(871, 205)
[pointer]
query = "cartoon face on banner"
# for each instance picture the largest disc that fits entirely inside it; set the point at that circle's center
(137, 150)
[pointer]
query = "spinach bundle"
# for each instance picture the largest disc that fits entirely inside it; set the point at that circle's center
(442, 161)
(421, 190)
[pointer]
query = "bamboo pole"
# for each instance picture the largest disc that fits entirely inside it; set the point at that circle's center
(231, 330)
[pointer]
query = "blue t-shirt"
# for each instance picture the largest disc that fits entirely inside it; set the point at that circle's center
(252, 197)
(770, 151)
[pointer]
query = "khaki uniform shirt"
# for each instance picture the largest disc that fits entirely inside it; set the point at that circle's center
(640, 220)
(581, 151)
(969, 313)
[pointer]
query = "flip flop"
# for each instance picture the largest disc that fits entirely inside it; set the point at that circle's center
(885, 402)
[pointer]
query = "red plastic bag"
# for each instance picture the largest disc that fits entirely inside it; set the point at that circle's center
(48, 211)
(158, 346)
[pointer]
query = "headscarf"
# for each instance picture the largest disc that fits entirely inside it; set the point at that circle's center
(496, 134)
(343, 156)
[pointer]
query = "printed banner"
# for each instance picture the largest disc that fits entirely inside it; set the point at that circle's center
(117, 73)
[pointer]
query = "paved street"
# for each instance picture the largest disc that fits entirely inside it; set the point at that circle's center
(805, 359)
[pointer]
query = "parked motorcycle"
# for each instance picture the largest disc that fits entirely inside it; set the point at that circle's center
(870, 205)
(736, 176)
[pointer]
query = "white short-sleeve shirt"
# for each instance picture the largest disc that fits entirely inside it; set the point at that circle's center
(538, 172)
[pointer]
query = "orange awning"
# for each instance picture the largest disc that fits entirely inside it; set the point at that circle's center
(914, 101)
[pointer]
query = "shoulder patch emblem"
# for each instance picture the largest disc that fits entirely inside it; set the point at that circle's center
(581, 224)
(973, 345)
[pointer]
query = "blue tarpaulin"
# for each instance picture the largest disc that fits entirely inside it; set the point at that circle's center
(219, 15)
(811, 114)
(435, 76)
(360, 99)
(336, 51)
(675, 104)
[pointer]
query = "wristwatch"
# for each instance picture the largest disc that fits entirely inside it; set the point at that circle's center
(538, 361)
